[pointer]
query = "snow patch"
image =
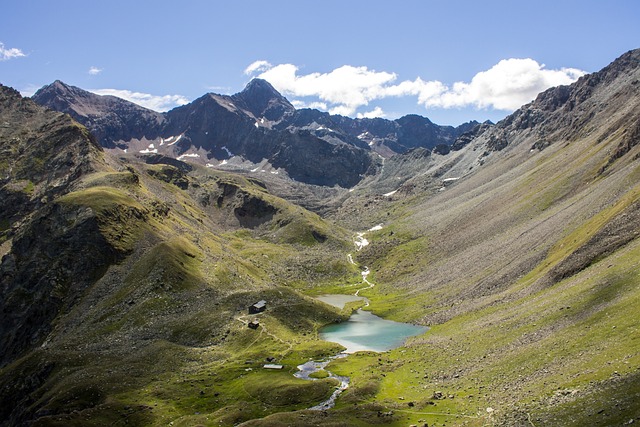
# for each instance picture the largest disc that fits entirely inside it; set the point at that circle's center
(149, 151)
(327, 129)
(360, 241)
(172, 139)
(391, 193)
(229, 153)
(376, 228)
(255, 169)
(449, 180)
(256, 125)
(224, 162)
(188, 155)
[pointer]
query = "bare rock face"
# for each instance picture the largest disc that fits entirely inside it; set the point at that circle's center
(112, 120)
(262, 100)
(574, 111)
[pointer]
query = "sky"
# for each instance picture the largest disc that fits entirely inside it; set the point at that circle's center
(451, 61)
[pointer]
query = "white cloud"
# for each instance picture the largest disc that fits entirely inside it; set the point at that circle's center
(257, 66)
(29, 90)
(375, 113)
(505, 86)
(301, 104)
(153, 102)
(94, 71)
(219, 89)
(9, 53)
(345, 88)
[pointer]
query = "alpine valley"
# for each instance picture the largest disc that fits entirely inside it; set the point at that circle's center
(134, 242)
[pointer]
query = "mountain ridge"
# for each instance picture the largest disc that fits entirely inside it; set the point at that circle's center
(259, 115)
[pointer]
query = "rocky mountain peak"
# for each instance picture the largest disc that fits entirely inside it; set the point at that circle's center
(111, 119)
(263, 100)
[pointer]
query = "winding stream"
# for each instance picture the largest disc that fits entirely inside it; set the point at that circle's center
(364, 331)
(310, 367)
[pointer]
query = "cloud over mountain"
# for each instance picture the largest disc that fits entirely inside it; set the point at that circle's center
(344, 90)
(10, 53)
(153, 102)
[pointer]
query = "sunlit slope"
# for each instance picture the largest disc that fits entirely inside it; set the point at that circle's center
(140, 276)
(527, 270)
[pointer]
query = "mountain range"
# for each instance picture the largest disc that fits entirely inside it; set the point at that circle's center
(133, 243)
(257, 125)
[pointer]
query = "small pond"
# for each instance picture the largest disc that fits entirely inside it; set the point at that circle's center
(364, 331)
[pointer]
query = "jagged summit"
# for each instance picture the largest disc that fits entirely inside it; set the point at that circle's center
(258, 86)
(263, 100)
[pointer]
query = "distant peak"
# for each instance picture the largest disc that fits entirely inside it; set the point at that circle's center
(259, 88)
(262, 99)
(259, 84)
(59, 84)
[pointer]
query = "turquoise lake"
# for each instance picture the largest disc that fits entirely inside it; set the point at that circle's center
(364, 331)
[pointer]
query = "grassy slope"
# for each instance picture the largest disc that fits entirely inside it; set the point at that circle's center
(162, 337)
(529, 276)
(507, 344)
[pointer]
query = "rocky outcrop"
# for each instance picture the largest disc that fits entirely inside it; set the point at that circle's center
(42, 154)
(263, 101)
(601, 102)
(468, 136)
(237, 207)
(112, 120)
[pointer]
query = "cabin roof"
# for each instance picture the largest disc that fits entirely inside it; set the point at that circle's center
(272, 366)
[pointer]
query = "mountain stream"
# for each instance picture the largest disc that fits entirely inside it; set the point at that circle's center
(364, 331)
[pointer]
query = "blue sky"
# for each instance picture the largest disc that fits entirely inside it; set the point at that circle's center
(451, 61)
